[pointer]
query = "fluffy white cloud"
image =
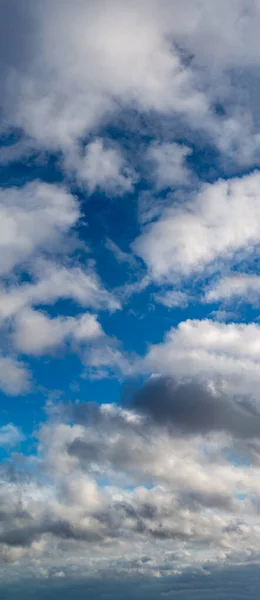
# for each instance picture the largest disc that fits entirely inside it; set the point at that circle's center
(53, 281)
(36, 333)
(238, 286)
(14, 376)
(76, 65)
(36, 230)
(170, 480)
(225, 354)
(105, 53)
(220, 221)
(104, 168)
(33, 218)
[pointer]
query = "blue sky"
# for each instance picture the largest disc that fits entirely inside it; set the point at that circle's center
(129, 298)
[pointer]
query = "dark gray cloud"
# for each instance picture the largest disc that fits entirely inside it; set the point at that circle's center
(191, 408)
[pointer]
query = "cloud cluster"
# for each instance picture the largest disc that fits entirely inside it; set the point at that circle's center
(76, 66)
(179, 466)
(125, 98)
(37, 222)
(106, 54)
(35, 333)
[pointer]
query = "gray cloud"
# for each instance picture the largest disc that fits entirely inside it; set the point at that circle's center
(108, 478)
(192, 408)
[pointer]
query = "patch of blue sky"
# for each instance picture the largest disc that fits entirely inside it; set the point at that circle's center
(237, 457)
(241, 497)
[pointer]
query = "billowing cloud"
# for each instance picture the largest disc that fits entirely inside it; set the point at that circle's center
(37, 229)
(51, 282)
(147, 55)
(192, 408)
(107, 477)
(35, 333)
(130, 162)
(104, 169)
(14, 376)
(224, 354)
(34, 218)
(106, 54)
(237, 286)
(220, 221)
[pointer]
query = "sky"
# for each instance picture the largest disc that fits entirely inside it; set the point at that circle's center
(129, 299)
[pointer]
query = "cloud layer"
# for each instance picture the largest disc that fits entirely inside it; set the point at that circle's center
(129, 295)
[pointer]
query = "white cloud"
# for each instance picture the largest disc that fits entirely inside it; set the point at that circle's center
(10, 436)
(75, 66)
(14, 376)
(36, 333)
(85, 59)
(238, 286)
(33, 218)
(222, 219)
(168, 164)
(227, 354)
(109, 482)
(36, 230)
(104, 168)
(171, 298)
(115, 480)
(54, 281)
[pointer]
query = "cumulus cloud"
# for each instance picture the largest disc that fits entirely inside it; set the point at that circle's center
(147, 55)
(36, 333)
(189, 407)
(50, 282)
(34, 218)
(37, 222)
(238, 286)
(226, 354)
(14, 376)
(104, 168)
(221, 220)
(106, 54)
(122, 478)
(169, 480)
